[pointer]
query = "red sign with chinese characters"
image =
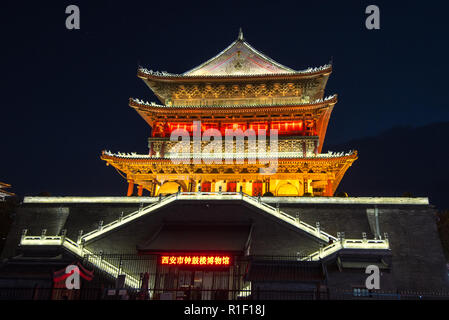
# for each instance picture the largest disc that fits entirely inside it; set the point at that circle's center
(196, 260)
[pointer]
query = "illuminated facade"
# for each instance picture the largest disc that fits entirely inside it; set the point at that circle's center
(221, 242)
(239, 89)
(198, 260)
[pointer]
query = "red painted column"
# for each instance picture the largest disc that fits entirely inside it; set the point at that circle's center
(140, 190)
(130, 188)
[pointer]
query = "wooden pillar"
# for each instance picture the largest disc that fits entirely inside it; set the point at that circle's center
(162, 152)
(306, 185)
(156, 188)
(130, 188)
(151, 189)
(329, 188)
(192, 185)
(140, 190)
(267, 186)
(165, 130)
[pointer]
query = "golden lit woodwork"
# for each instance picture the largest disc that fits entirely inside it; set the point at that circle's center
(165, 176)
(238, 89)
(170, 187)
(287, 189)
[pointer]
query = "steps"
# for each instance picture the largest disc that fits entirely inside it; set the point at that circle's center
(347, 244)
(216, 196)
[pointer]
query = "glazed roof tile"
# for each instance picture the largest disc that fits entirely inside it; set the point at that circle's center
(155, 105)
(239, 59)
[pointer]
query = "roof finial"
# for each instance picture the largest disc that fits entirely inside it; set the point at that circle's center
(240, 34)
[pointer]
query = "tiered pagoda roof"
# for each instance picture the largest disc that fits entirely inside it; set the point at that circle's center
(320, 110)
(240, 60)
(330, 156)
(238, 63)
(238, 89)
(141, 105)
(289, 166)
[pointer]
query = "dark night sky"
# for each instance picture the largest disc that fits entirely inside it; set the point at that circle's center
(65, 93)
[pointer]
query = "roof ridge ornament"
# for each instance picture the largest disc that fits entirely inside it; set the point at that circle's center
(240, 34)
